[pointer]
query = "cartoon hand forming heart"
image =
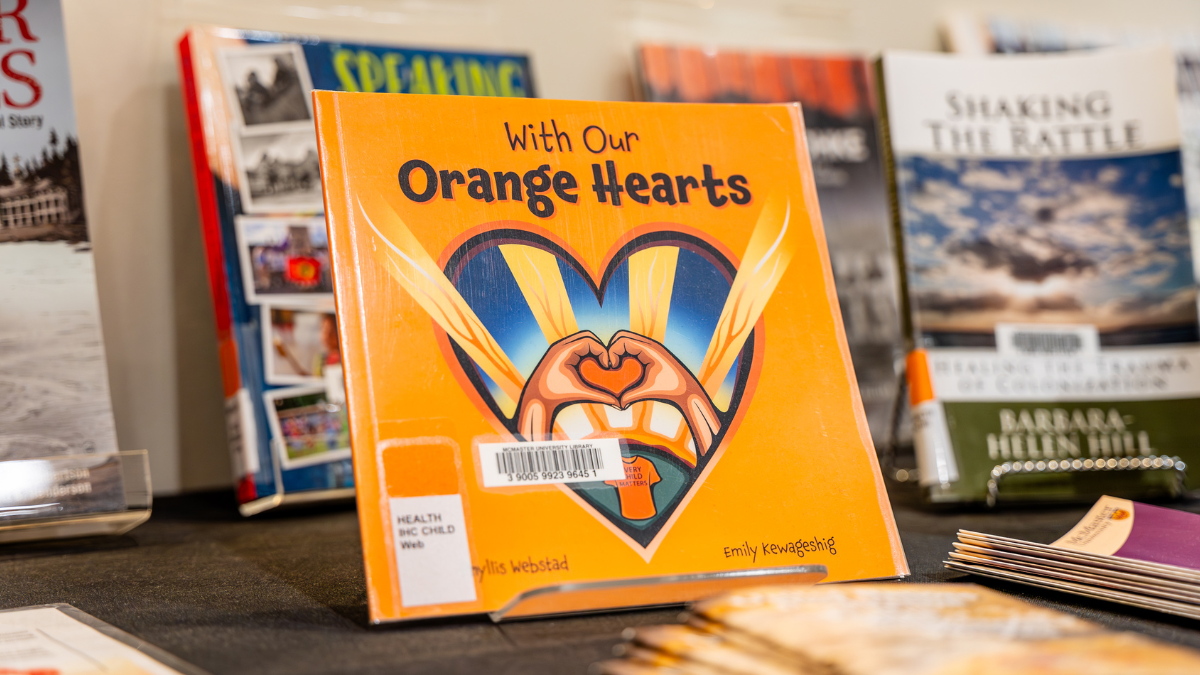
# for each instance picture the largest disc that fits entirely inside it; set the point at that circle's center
(667, 380)
(580, 369)
(556, 383)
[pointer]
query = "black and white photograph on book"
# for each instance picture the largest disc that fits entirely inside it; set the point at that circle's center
(234, 266)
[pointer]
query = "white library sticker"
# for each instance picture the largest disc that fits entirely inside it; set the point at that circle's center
(242, 433)
(548, 462)
(433, 556)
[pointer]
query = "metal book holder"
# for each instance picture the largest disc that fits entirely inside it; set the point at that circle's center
(1175, 468)
(673, 589)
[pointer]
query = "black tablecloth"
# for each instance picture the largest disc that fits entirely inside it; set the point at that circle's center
(285, 593)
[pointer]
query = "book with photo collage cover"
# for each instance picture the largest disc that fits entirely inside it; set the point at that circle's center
(248, 100)
(836, 92)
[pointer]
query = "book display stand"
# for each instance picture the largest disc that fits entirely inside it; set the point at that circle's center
(295, 498)
(595, 596)
(1163, 477)
(73, 496)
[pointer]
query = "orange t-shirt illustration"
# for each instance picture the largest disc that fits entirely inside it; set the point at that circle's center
(637, 502)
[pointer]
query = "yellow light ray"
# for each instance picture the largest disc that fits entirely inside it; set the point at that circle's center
(771, 247)
(541, 282)
(537, 274)
(651, 282)
(415, 270)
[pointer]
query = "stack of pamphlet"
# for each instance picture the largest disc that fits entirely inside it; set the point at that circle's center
(1122, 551)
(885, 628)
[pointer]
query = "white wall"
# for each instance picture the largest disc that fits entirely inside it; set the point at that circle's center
(153, 291)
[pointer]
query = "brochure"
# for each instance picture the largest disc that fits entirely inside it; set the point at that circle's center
(1048, 273)
(61, 640)
(589, 343)
(1124, 551)
(838, 97)
(902, 629)
(254, 151)
(54, 395)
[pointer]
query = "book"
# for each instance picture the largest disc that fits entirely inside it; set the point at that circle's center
(906, 629)
(254, 154)
(1121, 551)
(54, 390)
(837, 92)
(973, 34)
(1049, 284)
(61, 640)
(590, 343)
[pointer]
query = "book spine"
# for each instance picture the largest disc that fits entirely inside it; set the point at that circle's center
(206, 198)
(889, 169)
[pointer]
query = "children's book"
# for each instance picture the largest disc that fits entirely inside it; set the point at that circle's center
(837, 93)
(54, 392)
(1049, 281)
(590, 343)
(254, 152)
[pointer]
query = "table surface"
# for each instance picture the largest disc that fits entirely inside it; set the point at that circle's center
(285, 593)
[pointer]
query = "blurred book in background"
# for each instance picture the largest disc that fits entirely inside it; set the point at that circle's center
(973, 34)
(254, 152)
(54, 393)
(1049, 285)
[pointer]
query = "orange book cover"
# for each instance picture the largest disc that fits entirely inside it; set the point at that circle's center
(589, 342)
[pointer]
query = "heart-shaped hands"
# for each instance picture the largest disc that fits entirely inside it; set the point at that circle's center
(666, 379)
(556, 383)
(633, 368)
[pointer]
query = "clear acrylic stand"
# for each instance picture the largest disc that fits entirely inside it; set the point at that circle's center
(282, 498)
(73, 496)
(1174, 483)
(673, 589)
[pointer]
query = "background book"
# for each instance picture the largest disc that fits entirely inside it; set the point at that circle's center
(1049, 284)
(975, 34)
(247, 95)
(838, 99)
(54, 390)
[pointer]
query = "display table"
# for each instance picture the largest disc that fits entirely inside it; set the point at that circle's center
(285, 593)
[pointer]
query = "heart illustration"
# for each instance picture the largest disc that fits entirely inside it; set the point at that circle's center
(615, 381)
(524, 322)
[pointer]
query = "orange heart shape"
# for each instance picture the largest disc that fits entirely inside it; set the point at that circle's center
(612, 380)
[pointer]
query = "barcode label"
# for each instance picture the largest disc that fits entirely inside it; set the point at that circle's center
(1014, 339)
(1047, 343)
(548, 462)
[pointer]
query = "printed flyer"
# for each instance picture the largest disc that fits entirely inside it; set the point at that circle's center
(61, 640)
(590, 341)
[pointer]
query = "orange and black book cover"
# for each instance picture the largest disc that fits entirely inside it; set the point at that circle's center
(590, 342)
